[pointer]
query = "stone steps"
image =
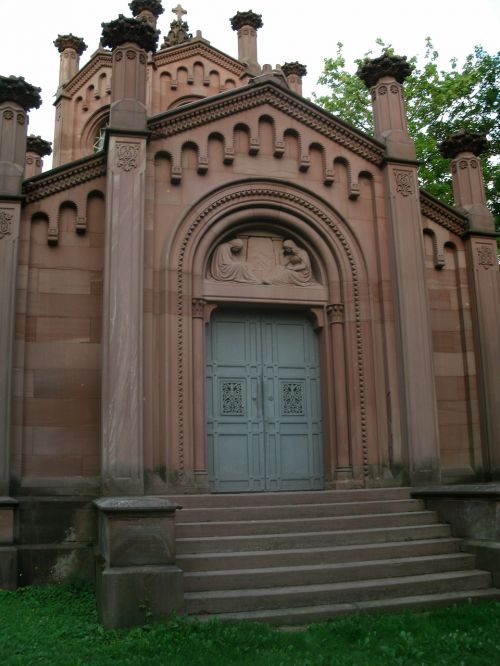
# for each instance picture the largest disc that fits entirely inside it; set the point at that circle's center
(326, 555)
(295, 557)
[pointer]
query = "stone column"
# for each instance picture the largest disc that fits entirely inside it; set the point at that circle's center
(247, 24)
(385, 76)
(294, 72)
(16, 98)
(122, 363)
(147, 10)
(343, 458)
(36, 149)
(70, 48)
(481, 246)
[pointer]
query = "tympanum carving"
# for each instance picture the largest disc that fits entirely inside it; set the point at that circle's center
(262, 260)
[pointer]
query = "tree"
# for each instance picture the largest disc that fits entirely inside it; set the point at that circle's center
(439, 102)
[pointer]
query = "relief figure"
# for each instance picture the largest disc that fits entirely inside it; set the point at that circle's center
(296, 268)
(227, 266)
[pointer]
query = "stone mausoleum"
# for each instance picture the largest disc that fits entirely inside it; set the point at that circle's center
(221, 288)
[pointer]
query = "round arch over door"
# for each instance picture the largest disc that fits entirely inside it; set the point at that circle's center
(263, 396)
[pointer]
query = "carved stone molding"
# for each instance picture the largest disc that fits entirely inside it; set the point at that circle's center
(270, 93)
(442, 215)
(404, 182)
(6, 217)
(47, 184)
(486, 257)
(83, 76)
(253, 194)
(335, 313)
(191, 49)
(126, 155)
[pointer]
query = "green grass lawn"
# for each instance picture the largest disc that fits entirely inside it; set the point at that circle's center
(58, 626)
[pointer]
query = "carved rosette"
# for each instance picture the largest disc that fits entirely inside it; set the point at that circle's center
(123, 29)
(126, 156)
(64, 42)
(37, 145)
(241, 19)
(16, 89)
(386, 65)
(464, 142)
(404, 182)
(335, 313)
(6, 217)
(486, 256)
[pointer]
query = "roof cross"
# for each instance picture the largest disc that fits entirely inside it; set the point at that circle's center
(179, 11)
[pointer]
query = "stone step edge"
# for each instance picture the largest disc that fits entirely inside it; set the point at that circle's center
(295, 507)
(367, 531)
(341, 565)
(290, 521)
(306, 614)
(333, 587)
(379, 545)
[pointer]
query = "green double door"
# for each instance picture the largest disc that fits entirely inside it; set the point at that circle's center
(263, 403)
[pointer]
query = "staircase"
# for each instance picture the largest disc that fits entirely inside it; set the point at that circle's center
(296, 557)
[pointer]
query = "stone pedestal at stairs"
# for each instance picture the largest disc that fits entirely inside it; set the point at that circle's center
(137, 579)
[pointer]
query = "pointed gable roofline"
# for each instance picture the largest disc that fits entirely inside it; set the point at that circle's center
(255, 94)
(199, 47)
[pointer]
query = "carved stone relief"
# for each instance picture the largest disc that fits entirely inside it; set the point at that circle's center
(6, 217)
(486, 256)
(262, 259)
(126, 156)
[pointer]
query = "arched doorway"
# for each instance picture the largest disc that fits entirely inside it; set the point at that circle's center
(263, 393)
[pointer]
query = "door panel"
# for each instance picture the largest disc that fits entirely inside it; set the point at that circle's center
(264, 422)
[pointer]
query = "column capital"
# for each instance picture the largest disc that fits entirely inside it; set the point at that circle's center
(464, 141)
(16, 89)
(388, 64)
(153, 6)
(37, 145)
(64, 42)
(123, 30)
(250, 18)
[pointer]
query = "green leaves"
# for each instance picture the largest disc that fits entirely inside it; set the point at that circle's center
(439, 101)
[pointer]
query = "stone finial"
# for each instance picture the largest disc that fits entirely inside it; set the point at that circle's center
(16, 89)
(125, 29)
(386, 65)
(246, 18)
(179, 30)
(464, 141)
(37, 145)
(153, 6)
(70, 42)
(294, 68)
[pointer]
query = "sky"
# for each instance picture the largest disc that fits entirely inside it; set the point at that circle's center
(306, 32)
